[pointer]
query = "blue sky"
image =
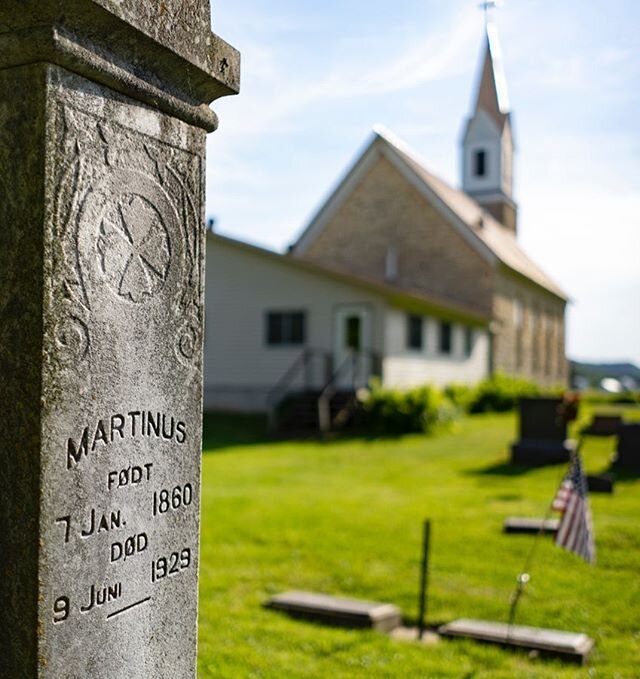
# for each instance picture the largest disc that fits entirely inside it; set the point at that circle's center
(318, 75)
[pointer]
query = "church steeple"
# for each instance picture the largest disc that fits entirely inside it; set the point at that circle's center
(487, 146)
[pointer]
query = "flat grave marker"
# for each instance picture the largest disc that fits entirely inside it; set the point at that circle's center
(516, 524)
(339, 611)
(571, 646)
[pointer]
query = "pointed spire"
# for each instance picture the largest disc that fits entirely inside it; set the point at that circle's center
(487, 144)
(492, 91)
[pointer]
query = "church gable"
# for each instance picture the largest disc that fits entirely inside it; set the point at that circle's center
(384, 228)
(481, 128)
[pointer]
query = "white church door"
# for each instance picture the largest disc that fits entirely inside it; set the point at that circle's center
(353, 360)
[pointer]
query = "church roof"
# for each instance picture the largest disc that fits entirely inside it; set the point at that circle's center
(490, 238)
(499, 240)
(492, 94)
(416, 301)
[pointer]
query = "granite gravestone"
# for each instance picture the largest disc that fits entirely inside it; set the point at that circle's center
(604, 425)
(627, 456)
(543, 433)
(103, 118)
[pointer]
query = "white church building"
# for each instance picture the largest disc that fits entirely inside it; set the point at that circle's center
(277, 323)
(399, 276)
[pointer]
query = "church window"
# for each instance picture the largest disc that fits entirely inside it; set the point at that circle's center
(285, 327)
(518, 321)
(549, 346)
(391, 265)
(535, 340)
(480, 163)
(353, 333)
(415, 338)
(469, 337)
(446, 343)
(517, 313)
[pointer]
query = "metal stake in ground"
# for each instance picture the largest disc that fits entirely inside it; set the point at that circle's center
(424, 578)
(524, 576)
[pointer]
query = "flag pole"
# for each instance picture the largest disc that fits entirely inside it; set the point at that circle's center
(424, 578)
(524, 576)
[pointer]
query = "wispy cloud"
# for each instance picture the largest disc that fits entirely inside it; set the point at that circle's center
(601, 69)
(275, 93)
(279, 97)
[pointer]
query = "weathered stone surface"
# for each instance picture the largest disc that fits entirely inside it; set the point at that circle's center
(101, 320)
(571, 646)
(122, 385)
(95, 38)
(338, 610)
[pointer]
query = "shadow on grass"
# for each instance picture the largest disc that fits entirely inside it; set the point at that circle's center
(623, 475)
(225, 430)
(501, 469)
(429, 626)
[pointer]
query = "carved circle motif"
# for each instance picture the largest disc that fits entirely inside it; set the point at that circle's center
(188, 340)
(72, 337)
(134, 248)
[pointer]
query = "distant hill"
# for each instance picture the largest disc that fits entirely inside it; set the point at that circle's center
(594, 372)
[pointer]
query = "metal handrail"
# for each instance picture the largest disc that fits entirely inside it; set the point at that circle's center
(352, 360)
(302, 362)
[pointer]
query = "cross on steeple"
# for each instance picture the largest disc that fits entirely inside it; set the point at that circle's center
(486, 5)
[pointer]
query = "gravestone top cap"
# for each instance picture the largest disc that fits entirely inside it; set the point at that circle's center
(169, 21)
(153, 50)
(182, 25)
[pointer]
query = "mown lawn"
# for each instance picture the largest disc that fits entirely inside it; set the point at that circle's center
(345, 518)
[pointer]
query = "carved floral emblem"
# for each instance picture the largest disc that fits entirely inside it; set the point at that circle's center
(134, 248)
(127, 212)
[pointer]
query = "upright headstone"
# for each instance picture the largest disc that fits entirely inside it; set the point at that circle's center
(627, 456)
(103, 118)
(543, 433)
(604, 425)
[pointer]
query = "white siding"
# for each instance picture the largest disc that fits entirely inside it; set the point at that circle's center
(404, 367)
(240, 368)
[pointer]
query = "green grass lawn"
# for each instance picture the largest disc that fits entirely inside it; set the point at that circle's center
(345, 518)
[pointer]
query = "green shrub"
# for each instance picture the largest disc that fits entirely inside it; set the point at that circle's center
(500, 393)
(394, 411)
(461, 395)
(600, 397)
(427, 408)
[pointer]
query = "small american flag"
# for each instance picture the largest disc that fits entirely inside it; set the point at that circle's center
(575, 532)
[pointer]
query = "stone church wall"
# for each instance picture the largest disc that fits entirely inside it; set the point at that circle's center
(386, 212)
(529, 332)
